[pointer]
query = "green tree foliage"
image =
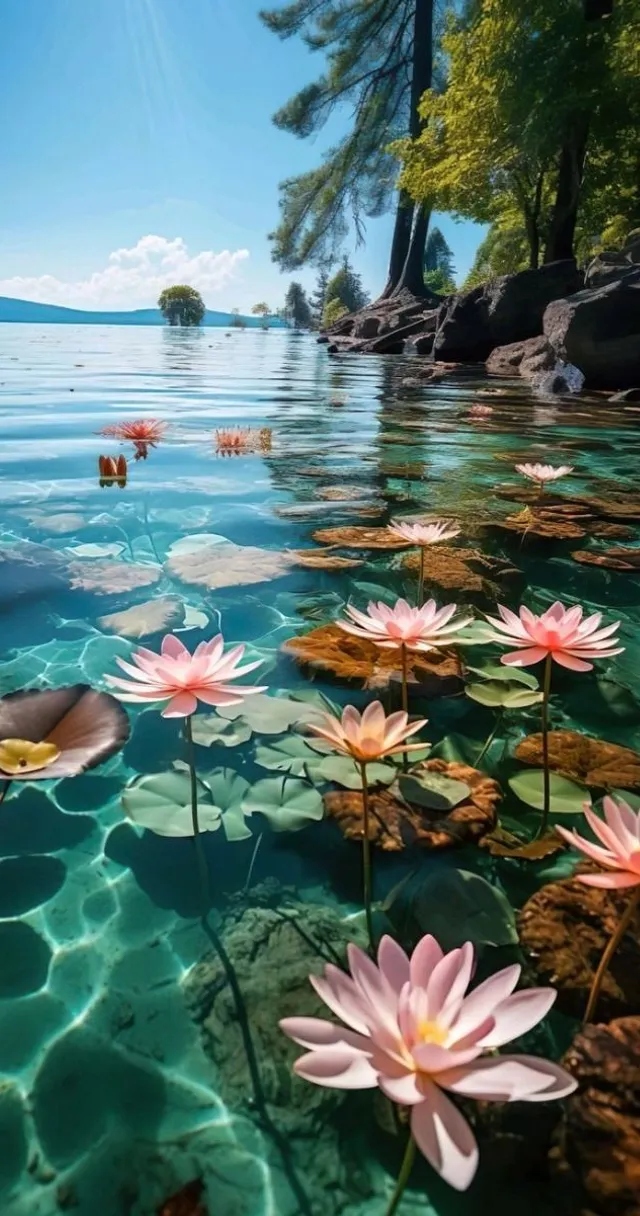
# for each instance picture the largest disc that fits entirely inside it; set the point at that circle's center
(319, 298)
(296, 307)
(346, 286)
(237, 322)
(181, 305)
(439, 270)
(378, 62)
(262, 310)
(334, 310)
(537, 130)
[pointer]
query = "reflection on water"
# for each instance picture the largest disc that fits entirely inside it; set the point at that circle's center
(125, 1068)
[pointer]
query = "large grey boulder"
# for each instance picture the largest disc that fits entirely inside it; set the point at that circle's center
(598, 330)
(536, 361)
(507, 309)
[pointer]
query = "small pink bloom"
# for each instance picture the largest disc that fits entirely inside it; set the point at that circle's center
(542, 473)
(150, 430)
(412, 1030)
(424, 534)
(620, 835)
(418, 628)
(480, 411)
(371, 736)
(560, 632)
(182, 679)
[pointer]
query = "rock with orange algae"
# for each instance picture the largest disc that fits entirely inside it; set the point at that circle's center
(112, 578)
(322, 559)
(531, 525)
(330, 648)
(395, 824)
(564, 929)
(477, 575)
(228, 565)
(609, 559)
(410, 470)
(360, 538)
(186, 1202)
(595, 1160)
(623, 510)
(592, 762)
(338, 493)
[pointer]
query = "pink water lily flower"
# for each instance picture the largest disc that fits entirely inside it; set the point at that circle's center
(619, 833)
(422, 628)
(559, 632)
(370, 736)
(412, 1030)
(541, 473)
(182, 679)
(424, 534)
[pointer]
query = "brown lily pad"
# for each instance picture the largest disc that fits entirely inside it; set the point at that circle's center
(142, 620)
(112, 578)
(338, 493)
(330, 648)
(535, 525)
(596, 1156)
(564, 928)
(476, 574)
(227, 565)
(622, 510)
(395, 825)
(322, 559)
(360, 538)
(505, 844)
(591, 762)
(610, 559)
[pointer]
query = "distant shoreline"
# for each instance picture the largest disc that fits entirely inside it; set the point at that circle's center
(30, 312)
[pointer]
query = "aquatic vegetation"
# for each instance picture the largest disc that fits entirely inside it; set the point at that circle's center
(182, 679)
(618, 852)
(112, 471)
(542, 474)
(423, 535)
(366, 738)
(413, 1031)
(594, 762)
(58, 732)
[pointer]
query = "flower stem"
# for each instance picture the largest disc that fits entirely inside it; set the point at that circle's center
(366, 858)
(546, 796)
(5, 790)
(488, 741)
(405, 695)
(608, 953)
(203, 869)
(421, 578)
(403, 1176)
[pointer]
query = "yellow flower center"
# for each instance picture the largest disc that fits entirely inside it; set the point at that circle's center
(20, 756)
(431, 1032)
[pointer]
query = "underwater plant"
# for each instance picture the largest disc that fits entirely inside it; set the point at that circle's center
(367, 738)
(619, 852)
(58, 732)
(412, 1030)
(543, 473)
(559, 635)
(423, 535)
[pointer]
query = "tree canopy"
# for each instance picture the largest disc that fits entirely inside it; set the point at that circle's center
(346, 286)
(439, 270)
(296, 307)
(537, 129)
(181, 305)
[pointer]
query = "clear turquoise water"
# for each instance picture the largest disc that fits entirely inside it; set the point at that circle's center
(109, 1099)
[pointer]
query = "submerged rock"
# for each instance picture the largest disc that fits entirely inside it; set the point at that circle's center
(593, 762)
(596, 1157)
(564, 928)
(599, 331)
(330, 648)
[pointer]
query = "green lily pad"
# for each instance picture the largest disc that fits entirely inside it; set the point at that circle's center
(161, 803)
(344, 771)
(210, 730)
(566, 798)
(457, 906)
(509, 675)
(499, 695)
(227, 789)
(273, 715)
(289, 755)
(432, 790)
(287, 803)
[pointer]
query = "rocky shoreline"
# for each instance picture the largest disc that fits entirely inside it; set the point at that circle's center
(558, 328)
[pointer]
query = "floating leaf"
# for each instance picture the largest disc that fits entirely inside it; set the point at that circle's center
(210, 730)
(500, 695)
(504, 844)
(274, 715)
(566, 798)
(227, 789)
(457, 906)
(509, 675)
(191, 544)
(161, 803)
(289, 755)
(344, 771)
(287, 803)
(433, 790)
(96, 550)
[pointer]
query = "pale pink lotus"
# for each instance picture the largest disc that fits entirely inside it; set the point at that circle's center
(182, 679)
(619, 833)
(542, 473)
(149, 430)
(559, 632)
(370, 736)
(414, 1032)
(424, 534)
(423, 628)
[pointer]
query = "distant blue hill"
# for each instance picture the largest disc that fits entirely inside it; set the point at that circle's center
(51, 314)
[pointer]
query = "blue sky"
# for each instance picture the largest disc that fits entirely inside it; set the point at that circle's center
(122, 120)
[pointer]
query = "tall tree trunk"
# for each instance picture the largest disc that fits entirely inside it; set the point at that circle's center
(565, 209)
(532, 223)
(401, 241)
(411, 277)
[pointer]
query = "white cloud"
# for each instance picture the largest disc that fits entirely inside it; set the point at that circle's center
(134, 278)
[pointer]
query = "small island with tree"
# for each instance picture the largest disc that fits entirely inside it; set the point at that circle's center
(182, 305)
